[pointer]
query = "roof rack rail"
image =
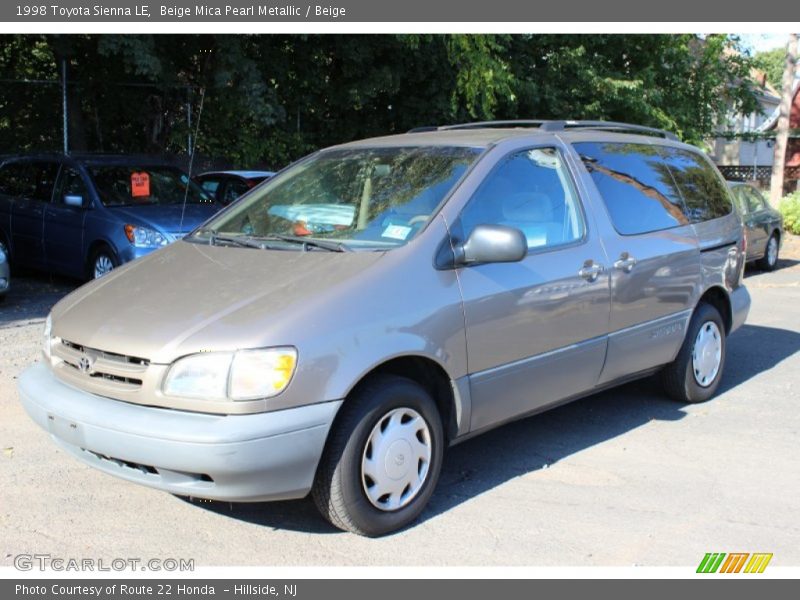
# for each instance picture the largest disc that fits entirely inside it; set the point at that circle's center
(553, 125)
(607, 126)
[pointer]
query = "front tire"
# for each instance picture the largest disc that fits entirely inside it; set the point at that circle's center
(383, 457)
(695, 373)
(102, 261)
(769, 261)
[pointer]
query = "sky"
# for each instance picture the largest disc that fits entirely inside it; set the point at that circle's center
(759, 42)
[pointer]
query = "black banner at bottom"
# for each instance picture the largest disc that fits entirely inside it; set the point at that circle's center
(391, 589)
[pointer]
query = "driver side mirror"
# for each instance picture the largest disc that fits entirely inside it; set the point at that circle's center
(492, 244)
(76, 201)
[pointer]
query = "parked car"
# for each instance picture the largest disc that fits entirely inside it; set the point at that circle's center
(5, 272)
(84, 215)
(227, 186)
(763, 225)
(453, 280)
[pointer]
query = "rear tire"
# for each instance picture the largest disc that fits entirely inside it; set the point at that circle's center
(769, 261)
(387, 438)
(695, 373)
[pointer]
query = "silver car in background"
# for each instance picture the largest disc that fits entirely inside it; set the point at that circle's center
(340, 326)
(763, 225)
(5, 271)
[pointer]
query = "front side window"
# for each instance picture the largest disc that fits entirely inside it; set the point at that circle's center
(132, 185)
(44, 178)
(755, 200)
(531, 191)
(704, 194)
(636, 185)
(71, 184)
(233, 190)
(370, 197)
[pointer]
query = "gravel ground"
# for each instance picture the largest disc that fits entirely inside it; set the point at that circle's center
(621, 478)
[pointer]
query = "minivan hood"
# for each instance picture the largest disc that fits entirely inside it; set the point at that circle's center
(192, 297)
(167, 217)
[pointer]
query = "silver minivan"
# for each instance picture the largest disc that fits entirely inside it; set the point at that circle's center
(340, 325)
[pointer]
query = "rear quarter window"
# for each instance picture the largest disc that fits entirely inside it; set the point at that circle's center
(635, 184)
(16, 179)
(705, 195)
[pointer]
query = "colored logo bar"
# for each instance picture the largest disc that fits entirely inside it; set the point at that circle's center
(734, 562)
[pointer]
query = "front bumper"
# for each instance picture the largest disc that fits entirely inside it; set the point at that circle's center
(4, 277)
(740, 307)
(237, 458)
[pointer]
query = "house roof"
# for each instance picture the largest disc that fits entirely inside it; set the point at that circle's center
(772, 120)
(765, 87)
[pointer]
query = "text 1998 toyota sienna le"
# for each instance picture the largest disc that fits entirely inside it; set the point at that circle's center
(338, 327)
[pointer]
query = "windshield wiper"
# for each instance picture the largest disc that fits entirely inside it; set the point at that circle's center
(297, 239)
(245, 241)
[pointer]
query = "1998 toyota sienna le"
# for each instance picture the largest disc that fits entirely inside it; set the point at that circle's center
(338, 327)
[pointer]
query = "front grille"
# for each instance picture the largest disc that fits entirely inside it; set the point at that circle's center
(117, 371)
(108, 355)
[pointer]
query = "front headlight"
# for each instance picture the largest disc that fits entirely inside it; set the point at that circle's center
(48, 330)
(144, 237)
(241, 375)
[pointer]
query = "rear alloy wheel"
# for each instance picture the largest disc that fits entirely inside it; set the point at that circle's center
(103, 261)
(770, 259)
(383, 457)
(695, 373)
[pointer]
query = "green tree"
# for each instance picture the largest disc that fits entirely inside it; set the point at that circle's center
(267, 100)
(772, 63)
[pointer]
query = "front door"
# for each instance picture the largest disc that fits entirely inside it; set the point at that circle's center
(63, 224)
(536, 329)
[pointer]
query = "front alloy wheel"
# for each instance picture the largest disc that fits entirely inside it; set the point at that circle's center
(102, 265)
(101, 262)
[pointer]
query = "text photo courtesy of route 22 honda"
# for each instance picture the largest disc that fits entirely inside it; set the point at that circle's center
(83, 215)
(337, 328)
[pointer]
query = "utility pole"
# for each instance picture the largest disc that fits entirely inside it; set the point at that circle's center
(64, 104)
(782, 131)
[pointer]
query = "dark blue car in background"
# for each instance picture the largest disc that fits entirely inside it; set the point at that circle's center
(83, 215)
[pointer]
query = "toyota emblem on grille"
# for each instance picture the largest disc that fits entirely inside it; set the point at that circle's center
(85, 364)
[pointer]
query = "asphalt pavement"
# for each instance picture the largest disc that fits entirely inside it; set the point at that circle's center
(625, 477)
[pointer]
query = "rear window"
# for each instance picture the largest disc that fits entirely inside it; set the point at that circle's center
(635, 184)
(16, 179)
(705, 195)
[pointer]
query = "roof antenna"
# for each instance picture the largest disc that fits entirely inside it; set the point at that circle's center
(191, 156)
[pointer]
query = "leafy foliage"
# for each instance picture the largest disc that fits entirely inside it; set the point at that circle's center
(790, 209)
(267, 100)
(772, 62)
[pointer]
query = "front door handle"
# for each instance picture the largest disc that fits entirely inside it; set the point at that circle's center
(591, 270)
(625, 263)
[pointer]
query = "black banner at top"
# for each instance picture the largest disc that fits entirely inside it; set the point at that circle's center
(441, 11)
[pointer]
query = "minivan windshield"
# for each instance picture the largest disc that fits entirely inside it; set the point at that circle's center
(133, 185)
(368, 197)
